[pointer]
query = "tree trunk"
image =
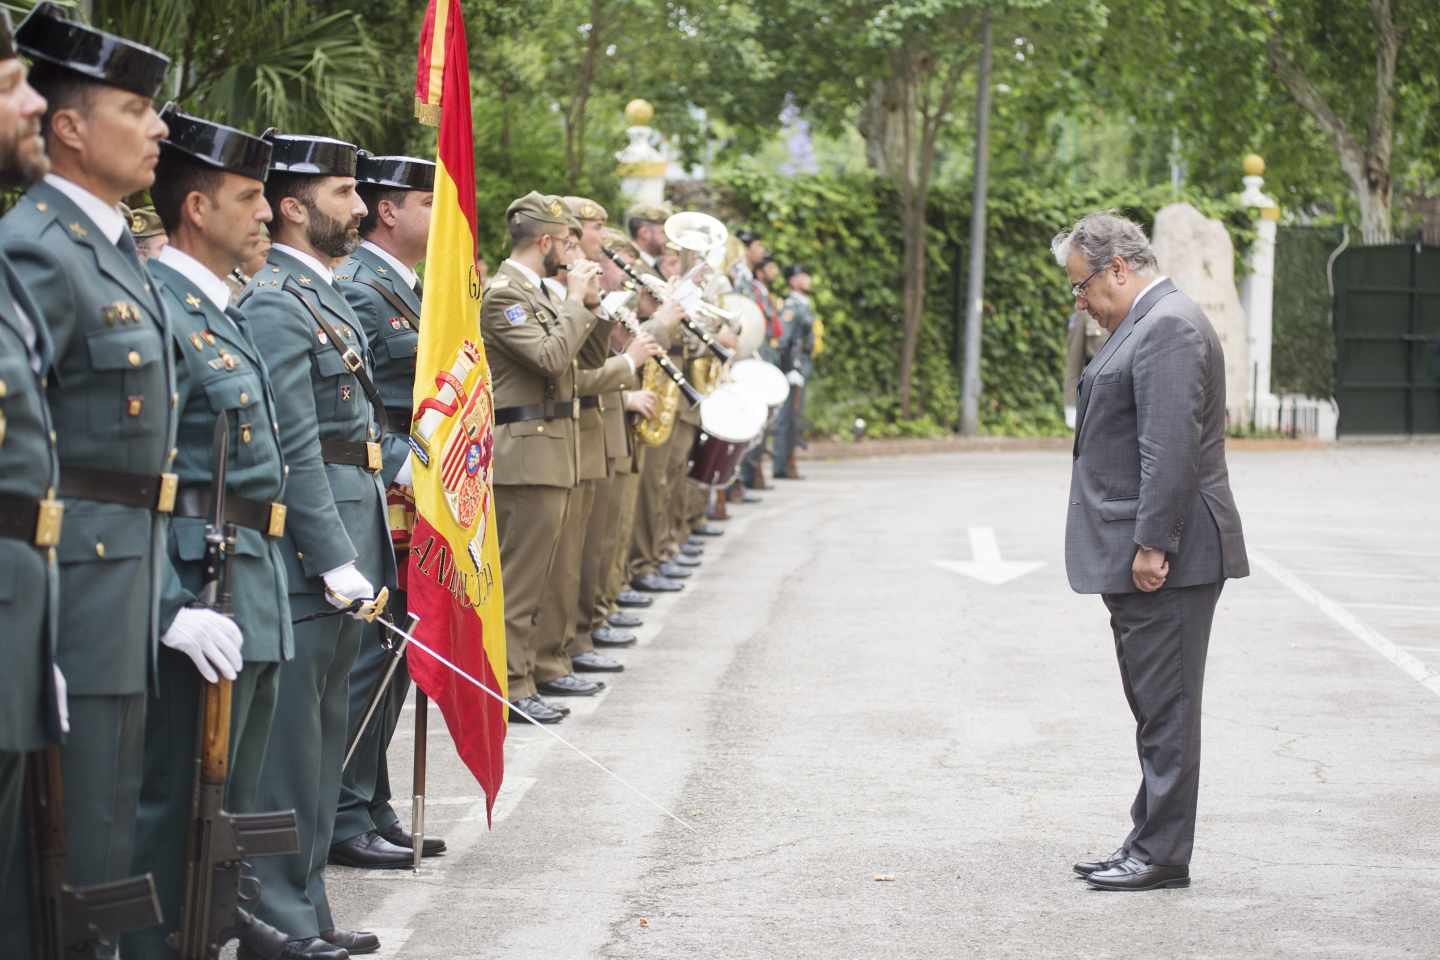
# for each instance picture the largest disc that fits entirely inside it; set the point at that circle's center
(970, 381)
(580, 99)
(904, 78)
(881, 124)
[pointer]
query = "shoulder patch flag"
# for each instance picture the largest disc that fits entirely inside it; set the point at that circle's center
(515, 314)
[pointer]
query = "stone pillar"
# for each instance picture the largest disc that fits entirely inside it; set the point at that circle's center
(642, 166)
(1257, 292)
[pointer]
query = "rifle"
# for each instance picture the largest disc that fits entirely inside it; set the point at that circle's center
(216, 841)
(68, 918)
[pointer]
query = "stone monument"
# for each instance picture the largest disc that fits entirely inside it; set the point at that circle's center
(642, 166)
(1196, 253)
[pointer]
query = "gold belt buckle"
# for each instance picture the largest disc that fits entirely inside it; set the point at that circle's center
(275, 529)
(169, 486)
(48, 520)
(372, 456)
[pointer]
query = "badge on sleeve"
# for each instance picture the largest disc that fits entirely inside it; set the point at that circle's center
(515, 314)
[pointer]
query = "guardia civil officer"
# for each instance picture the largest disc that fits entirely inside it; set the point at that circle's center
(112, 397)
(337, 547)
(797, 360)
(381, 286)
(209, 200)
(31, 688)
(531, 340)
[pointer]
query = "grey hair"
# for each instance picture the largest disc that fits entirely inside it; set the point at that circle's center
(1100, 236)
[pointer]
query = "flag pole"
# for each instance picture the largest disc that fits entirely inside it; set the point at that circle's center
(417, 810)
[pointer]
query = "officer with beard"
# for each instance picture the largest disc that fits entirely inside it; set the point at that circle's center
(337, 543)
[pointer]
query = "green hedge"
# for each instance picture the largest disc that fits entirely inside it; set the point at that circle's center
(1303, 352)
(847, 228)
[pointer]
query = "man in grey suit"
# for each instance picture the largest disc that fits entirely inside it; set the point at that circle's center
(1152, 526)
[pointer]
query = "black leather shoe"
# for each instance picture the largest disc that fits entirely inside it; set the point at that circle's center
(671, 572)
(626, 621)
(1087, 867)
(611, 637)
(654, 583)
(692, 550)
(570, 686)
(633, 600)
(1131, 874)
(694, 541)
(370, 851)
(592, 661)
(539, 711)
(358, 942)
(429, 847)
(705, 530)
(683, 559)
(305, 948)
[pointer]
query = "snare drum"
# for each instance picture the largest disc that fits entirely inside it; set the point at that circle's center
(730, 420)
(762, 380)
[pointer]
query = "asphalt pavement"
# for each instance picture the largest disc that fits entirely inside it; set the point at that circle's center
(888, 728)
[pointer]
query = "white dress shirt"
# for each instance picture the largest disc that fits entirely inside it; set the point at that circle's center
(109, 219)
(325, 272)
(214, 288)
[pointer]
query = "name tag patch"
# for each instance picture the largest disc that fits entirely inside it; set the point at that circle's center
(515, 314)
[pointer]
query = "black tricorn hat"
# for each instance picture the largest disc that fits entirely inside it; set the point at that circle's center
(397, 173)
(47, 36)
(795, 268)
(215, 145)
(746, 236)
(310, 156)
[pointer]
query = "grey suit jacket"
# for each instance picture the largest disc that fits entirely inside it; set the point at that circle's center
(1149, 459)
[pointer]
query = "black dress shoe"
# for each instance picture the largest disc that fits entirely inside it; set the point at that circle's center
(626, 621)
(539, 711)
(369, 851)
(305, 948)
(633, 600)
(672, 572)
(705, 530)
(694, 541)
(430, 847)
(1131, 874)
(570, 686)
(358, 942)
(1087, 867)
(592, 661)
(692, 550)
(610, 637)
(654, 583)
(683, 559)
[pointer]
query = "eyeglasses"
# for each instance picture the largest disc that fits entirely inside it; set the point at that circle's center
(1077, 290)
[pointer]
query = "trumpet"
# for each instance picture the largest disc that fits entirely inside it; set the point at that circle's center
(661, 291)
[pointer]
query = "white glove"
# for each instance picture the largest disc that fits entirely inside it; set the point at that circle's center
(403, 475)
(209, 639)
(345, 584)
(796, 378)
(62, 700)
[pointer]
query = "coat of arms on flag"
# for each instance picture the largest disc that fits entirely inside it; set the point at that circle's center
(465, 464)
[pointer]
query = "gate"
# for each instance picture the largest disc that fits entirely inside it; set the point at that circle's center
(1387, 339)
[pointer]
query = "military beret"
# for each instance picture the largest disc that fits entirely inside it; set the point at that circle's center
(649, 212)
(215, 145)
(310, 156)
(795, 268)
(584, 208)
(746, 237)
(145, 223)
(48, 35)
(397, 173)
(541, 208)
(618, 242)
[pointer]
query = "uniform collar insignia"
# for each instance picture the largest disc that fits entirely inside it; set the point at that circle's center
(192, 301)
(79, 231)
(303, 279)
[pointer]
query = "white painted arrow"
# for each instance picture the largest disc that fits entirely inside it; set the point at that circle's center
(988, 567)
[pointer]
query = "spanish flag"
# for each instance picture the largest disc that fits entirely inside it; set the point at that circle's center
(454, 572)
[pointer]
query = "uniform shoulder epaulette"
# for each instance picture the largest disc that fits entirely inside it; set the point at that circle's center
(498, 282)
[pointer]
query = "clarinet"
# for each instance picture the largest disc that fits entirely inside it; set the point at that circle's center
(661, 292)
(692, 396)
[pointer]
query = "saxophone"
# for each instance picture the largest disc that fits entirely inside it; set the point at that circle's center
(668, 390)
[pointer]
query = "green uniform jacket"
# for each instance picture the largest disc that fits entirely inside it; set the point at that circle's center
(219, 368)
(111, 395)
(336, 511)
(29, 577)
(392, 325)
(797, 344)
(531, 341)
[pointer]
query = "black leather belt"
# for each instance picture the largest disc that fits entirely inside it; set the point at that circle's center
(365, 455)
(397, 420)
(554, 410)
(590, 403)
(268, 518)
(34, 521)
(149, 491)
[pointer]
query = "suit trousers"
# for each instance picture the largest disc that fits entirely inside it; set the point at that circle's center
(302, 766)
(677, 501)
(365, 784)
(562, 589)
(628, 492)
(652, 518)
(1161, 640)
(529, 520)
(162, 827)
(595, 560)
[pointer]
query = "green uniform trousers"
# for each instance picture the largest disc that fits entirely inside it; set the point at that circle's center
(14, 858)
(365, 784)
(601, 532)
(529, 520)
(628, 492)
(562, 588)
(652, 519)
(163, 824)
(302, 767)
(679, 488)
